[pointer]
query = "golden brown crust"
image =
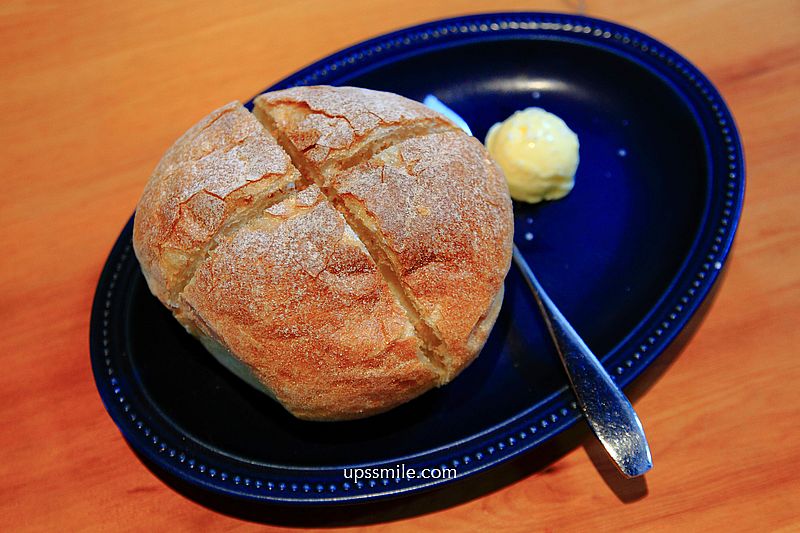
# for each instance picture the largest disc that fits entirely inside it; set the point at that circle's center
(260, 266)
(439, 209)
(480, 334)
(332, 125)
(296, 297)
(221, 167)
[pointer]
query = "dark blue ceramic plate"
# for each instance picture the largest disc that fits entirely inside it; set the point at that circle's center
(628, 256)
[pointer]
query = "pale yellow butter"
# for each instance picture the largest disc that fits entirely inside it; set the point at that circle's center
(537, 152)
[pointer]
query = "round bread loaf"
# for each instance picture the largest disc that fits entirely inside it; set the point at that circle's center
(341, 249)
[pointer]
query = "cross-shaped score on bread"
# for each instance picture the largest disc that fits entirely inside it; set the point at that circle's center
(341, 249)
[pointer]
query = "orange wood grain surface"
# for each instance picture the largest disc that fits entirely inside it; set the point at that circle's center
(94, 92)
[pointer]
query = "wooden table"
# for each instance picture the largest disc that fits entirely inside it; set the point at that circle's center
(92, 94)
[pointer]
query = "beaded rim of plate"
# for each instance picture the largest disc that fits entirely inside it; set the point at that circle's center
(513, 436)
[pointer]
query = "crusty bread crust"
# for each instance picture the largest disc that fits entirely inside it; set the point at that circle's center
(296, 297)
(213, 174)
(438, 209)
(335, 126)
(369, 276)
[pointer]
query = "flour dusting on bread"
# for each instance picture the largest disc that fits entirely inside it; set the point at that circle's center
(341, 249)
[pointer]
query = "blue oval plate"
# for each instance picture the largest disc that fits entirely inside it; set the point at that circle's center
(628, 256)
